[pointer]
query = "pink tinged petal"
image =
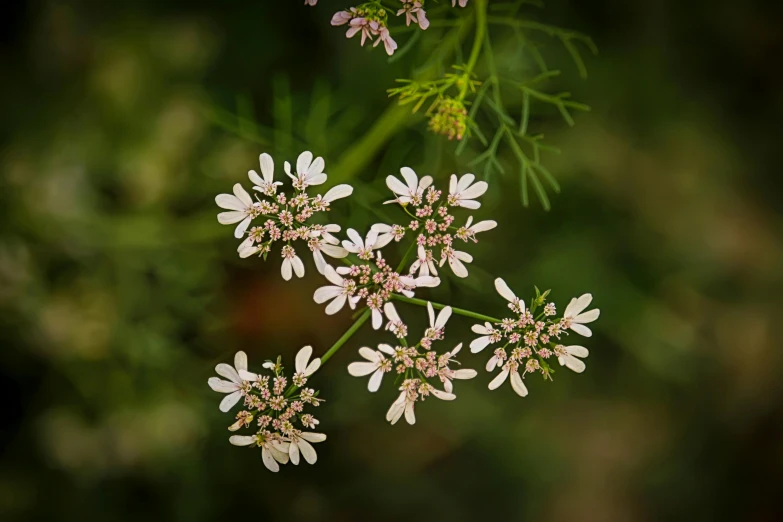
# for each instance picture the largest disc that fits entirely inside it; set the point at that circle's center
(293, 453)
(575, 364)
(240, 361)
(331, 274)
(390, 45)
(587, 317)
(410, 416)
(448, 386)
(303, 162)
(465, 374)
(313, 437)
(340, 18)
(443, 317)
(229, 218)
(242, 227)
(377, 319)
(221, 386)
(267, 166)
(444, 396)
(375, 381)
(229, 202)
(394, 184)
(299, 268)
(308, 452)
(340, 191)
(269, 461)
(351, 32)
(361, 369)
(228, 371)
(242, 195)
(456, 350)
(423, 22)
(326, 293)
(242, 440)
(497, 381)
(286, 269)
(302, 357)
(229, 401)
(577, 351)
(504, 291)
(581, 330)
(518, 385)
(336, 305)
(491, 363)
(479, 344)
(385, 348)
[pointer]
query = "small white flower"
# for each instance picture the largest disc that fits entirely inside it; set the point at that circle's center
(515, 303)
(322, 240)
(576, 319)
(300, 442)
(377, 365)
(363, 248)
(410, 191)
(567, 356)
(463, 192)
(338, 292)
(242, 209)
(487, 333)
(395, 324)
(516, 381)
(414, 12)
(272, 452)
(456, 258)
(291, 262)
(462, 3)
(267, 184)
(235, 385)
(447, 374)
(309, 172)
(424, 263)
(481, 226)
(405, 403)
(385, 36)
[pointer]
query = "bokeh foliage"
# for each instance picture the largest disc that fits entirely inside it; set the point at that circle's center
(119, 291)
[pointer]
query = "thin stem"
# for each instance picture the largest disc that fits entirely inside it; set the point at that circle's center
(347, 335)
(460, 311)
(478, 41)
(406, 257)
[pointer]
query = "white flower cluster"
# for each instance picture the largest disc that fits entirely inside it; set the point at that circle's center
(276, 408)
(285, 218)
(416, 365)
(533, 339)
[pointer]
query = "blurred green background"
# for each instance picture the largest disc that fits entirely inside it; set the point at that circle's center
(119, 291)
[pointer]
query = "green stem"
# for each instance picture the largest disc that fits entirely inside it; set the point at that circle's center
(460, 311)
(478, 41)
(406, 257)
(347, 335)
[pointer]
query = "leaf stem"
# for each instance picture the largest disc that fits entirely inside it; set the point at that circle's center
(478, 41)
(460, 311)
(347, 335)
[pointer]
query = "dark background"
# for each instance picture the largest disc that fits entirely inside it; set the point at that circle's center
(119, 291)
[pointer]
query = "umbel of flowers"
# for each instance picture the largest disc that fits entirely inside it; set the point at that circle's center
(273, 405)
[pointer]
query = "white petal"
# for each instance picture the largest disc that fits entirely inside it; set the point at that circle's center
(453, 184)
(497, 381)
(267, 166)
(221, 386)
(581, 330)
(483, 226)
(319, 261)
(381, 228)
(575, 364)
(361, 369)
(465, 373)
(293, 453)
(336, 305)
(340, 191)
(504, 291)
(369, 354)
(410, 177)
(391, 312)
(331, 274)
(492, 363)
(576, 306)
(228, 371)
(299, 268)
(326, 293)
(302, 357)
(425, 182)
(240, 361)
(396, 409)
(334, 251)
(229, 202)
(312, 367)
(355, 238)
(303, 162)
(469, 203)
(308, 452)
(375, 381)
(382, 241)
(316, 169)
(482, 329)
(479, 344)
(394, 185)
(229, 401)
(410, 416)
(385, 348)
(279, 452)
(317, 180)
(518, 385)
(587, 317)
(242, 227)
(445, 396)
(431, 314)
(377, 319)
(285, 269)
(475, 191)
(269, 461)
(443, 316)
(229, 218)
(242, 195)
(255, 179)
(242, 440)
(577, 351)
(457, 267)
(465, 181)
(313, 437)
(248, 376)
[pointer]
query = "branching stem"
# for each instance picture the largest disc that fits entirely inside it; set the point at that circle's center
(460, 311)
